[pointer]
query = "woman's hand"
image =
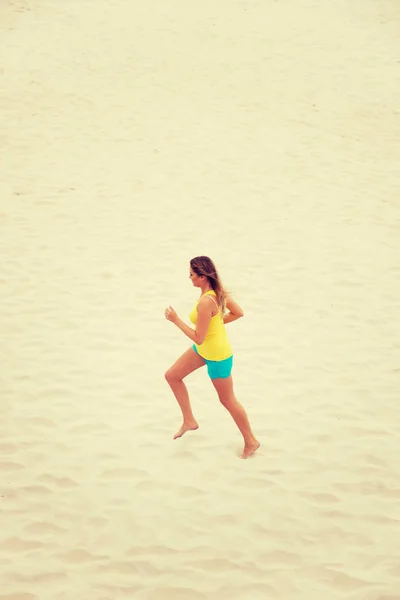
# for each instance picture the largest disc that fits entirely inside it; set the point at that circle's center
(171, 315)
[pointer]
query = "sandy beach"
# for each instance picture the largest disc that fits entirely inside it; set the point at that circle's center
(134, 136)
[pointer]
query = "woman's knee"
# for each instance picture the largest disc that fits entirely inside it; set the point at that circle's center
(170, 376)
(226, 401)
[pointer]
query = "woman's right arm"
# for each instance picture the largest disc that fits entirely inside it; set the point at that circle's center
(235, 312)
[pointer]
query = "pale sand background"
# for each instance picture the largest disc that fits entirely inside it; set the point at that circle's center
(265, 134)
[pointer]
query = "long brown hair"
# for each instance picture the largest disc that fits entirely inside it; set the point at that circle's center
(203, 265)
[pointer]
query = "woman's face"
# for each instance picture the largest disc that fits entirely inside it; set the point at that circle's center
(196, 279)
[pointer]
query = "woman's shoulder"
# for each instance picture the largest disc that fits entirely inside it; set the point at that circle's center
(207, 298)
(209, 302)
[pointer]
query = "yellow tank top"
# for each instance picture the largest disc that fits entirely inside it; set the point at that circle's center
(216, 345)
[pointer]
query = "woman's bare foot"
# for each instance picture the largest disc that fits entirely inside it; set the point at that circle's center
(188, 426)
(249, 449)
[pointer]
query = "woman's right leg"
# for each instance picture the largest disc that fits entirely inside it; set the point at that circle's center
(186, 364)
(228, 399)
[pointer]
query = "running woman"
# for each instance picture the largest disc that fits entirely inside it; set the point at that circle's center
(211, 347)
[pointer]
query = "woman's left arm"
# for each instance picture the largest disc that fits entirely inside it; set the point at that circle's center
(191, 333)
(204, 313)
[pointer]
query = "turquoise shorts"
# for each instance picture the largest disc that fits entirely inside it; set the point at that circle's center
(218, 369)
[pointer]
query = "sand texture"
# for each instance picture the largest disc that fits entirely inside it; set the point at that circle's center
(134, 136)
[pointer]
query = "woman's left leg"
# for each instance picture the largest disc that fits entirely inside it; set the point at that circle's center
(224, 387)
